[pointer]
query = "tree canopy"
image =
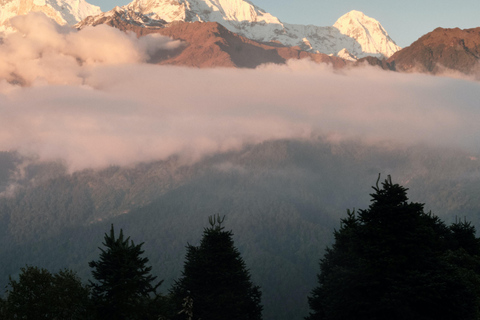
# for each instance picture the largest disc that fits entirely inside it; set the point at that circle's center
(124, 287)
(394, 261)
(39, 294)
(215, 282)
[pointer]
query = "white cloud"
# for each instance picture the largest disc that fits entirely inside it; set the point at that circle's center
(43, 51)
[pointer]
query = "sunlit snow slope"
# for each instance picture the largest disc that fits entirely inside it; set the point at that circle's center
(62, 11)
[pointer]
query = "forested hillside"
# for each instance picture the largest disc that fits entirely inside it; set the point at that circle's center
(282, 200)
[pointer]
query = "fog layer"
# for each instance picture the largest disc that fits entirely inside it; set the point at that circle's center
(88, 97)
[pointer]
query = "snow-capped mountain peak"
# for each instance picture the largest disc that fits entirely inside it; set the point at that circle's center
(368, 32)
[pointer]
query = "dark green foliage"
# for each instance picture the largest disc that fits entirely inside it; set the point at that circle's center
(394, 261)
(215, 281)
(124, 287)
(3, 309)
(38, 294)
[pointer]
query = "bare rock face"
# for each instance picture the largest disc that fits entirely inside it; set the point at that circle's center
(441, 50)
(205, 44)
(209, 44)
(376, 62)
(124, 19)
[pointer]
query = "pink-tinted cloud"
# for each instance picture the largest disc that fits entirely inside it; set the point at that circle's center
(110, 111)
(43, 51)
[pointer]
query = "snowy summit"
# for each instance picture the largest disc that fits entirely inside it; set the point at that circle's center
(368, 32)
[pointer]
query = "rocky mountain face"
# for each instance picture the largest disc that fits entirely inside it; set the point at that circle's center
(62, 11)
(210, 44)
(206, 44)
(123, 19)
(439, 51)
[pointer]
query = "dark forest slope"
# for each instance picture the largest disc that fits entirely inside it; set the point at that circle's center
(282, 199)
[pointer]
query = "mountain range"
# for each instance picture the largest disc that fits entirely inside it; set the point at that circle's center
(236, 33)
(442, 50)
(360, 35)
(353, 36)
(206, 44)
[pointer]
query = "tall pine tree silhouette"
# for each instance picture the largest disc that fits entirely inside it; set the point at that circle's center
(215, 282)
(124, 287)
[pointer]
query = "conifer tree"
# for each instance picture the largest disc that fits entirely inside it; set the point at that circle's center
(215, 282)
(3, 309)
(394, 261)
(124, 287)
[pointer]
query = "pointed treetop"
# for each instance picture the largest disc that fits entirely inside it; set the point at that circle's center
(111, 240)
(216, 222)
(389, 193)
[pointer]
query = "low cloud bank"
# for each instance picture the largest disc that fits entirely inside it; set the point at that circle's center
(43, 51)
(111, 108)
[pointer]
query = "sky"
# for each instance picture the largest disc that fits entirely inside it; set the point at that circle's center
(405, 21)
(90, 99)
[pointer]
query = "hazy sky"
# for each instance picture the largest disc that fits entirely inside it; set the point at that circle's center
(405, 20)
